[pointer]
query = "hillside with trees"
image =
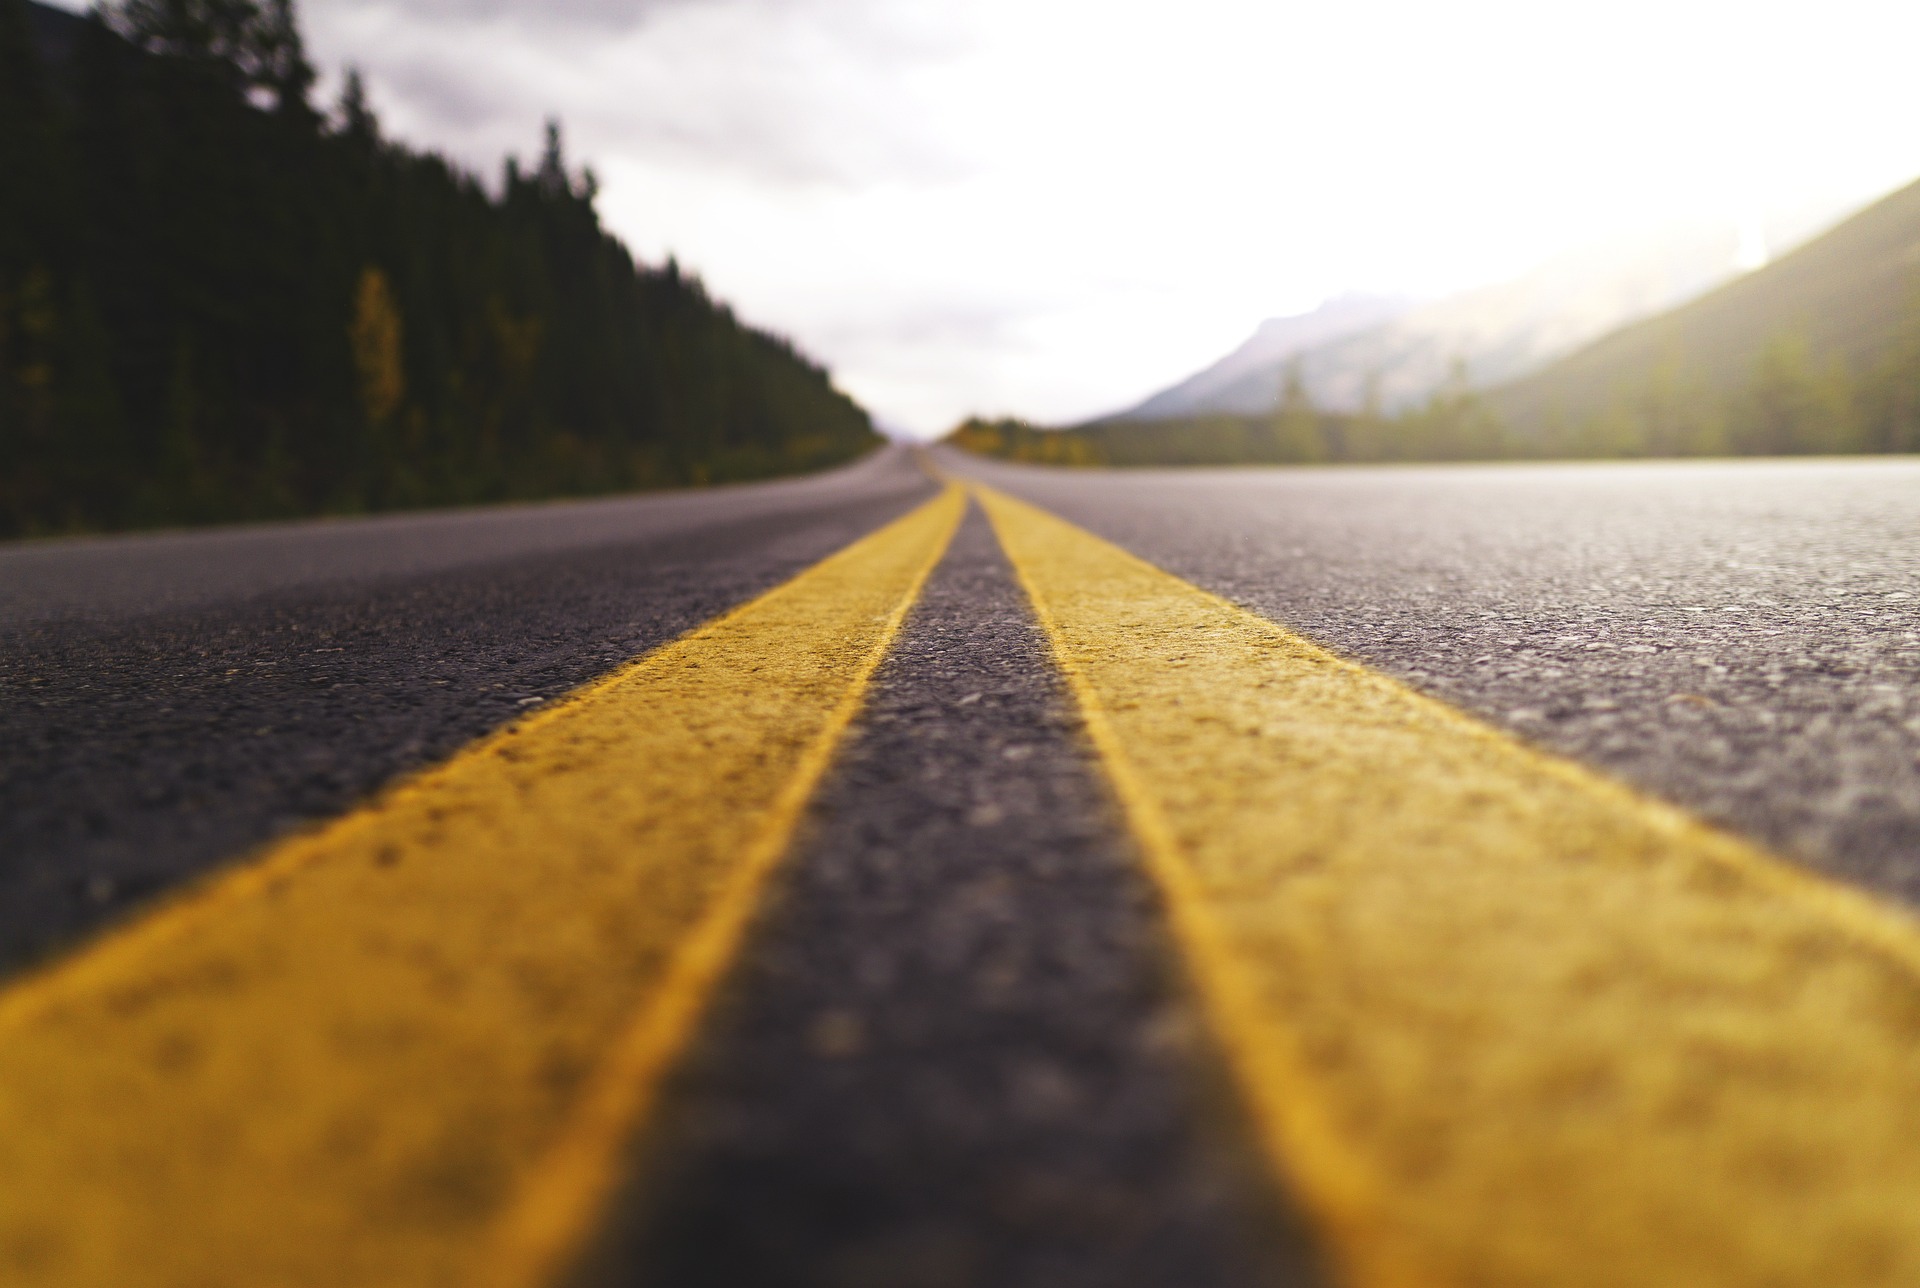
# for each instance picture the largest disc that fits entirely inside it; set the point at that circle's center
(1454, 424)
(220, 302)
(1816, 353)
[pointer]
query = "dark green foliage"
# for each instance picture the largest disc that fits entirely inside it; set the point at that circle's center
(215, 304)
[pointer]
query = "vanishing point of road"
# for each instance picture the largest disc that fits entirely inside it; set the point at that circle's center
(938, 872)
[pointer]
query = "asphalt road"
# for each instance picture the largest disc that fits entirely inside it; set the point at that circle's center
(956, 1051)
(174, 701)
(956, 1047)
(1740, 638)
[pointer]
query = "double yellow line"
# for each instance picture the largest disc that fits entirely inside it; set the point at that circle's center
(1500, 1021)
(407, 1050)
(1497, 1020)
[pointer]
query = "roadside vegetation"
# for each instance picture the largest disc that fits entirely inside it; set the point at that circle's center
(1793, 404)
(1455, 424)
(219, 301)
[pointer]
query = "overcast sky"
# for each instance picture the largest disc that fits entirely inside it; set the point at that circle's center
(1053, 207)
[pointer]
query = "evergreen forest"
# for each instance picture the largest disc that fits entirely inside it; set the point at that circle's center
(220, 301)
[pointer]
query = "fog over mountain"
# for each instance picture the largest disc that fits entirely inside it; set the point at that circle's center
(1353, 348)
(1827, 335)
(1245, 380)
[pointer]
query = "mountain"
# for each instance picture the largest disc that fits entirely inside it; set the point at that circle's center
(1247, 380)
(1839, 304)
(220, 302)
(1816, 353)
(1497, 332)
(1359, 349)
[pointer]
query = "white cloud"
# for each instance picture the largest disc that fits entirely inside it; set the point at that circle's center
(1052, 206)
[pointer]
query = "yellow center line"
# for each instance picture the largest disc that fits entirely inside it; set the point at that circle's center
(1500, 1021)
(408, 1049)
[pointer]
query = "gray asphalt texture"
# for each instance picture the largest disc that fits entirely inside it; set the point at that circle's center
(1741, 638)
(955, 1052)
(173, 702)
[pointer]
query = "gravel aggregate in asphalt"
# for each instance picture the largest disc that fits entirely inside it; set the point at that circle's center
(954, 1052)
(1741, 638)
(147, 744)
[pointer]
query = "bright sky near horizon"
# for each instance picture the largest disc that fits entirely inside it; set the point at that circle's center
(1053, 207)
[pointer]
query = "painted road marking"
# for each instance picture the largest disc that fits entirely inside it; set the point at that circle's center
(408, 1049)
(1500, 1021)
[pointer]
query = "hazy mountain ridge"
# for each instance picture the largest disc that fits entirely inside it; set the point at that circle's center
(1847, 296)
(1244, 380)
(1492, 334)
(1817, 353)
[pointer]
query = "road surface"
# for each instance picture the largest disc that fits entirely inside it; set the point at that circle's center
(1741, 637)
(986, 905)
(173, 701)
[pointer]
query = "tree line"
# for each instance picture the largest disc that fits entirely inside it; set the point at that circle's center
(1454, 424)
(1791, 404)
(219, 301)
